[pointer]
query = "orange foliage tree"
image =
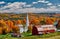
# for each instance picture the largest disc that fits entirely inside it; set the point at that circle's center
(19, 21)
(49, 21)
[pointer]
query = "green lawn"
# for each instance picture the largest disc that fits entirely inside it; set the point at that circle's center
(55, 35)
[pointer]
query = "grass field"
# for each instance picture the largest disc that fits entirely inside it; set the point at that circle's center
(55, 35)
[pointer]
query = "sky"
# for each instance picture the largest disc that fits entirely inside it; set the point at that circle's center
(29, 6)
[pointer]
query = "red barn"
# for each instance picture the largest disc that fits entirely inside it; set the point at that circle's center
(43, 29)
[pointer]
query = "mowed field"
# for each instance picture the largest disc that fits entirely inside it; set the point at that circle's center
(55, 35)
(32, 37)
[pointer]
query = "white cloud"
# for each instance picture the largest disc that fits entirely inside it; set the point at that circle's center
(49, 4)
(46, 1)
(18, 7)
(35, 2)
(2, 2)
(53, 7)
(58, 5)
(9, 3)
(33, 10)
(41, 1)
(27, 5)
(14, 5)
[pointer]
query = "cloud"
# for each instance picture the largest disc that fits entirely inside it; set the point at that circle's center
(35, 2)
(2, 2)
(9, 3)
(41, 1)
(27, 5)
(32, 9)
(21, 7)
(14, 5)
(46, 2)
(58, 5)
(53, 7)
(49, 4)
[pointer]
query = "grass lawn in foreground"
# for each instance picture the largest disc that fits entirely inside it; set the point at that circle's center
(55, 35)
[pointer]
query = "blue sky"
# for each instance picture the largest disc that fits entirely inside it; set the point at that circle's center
(25, 6)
